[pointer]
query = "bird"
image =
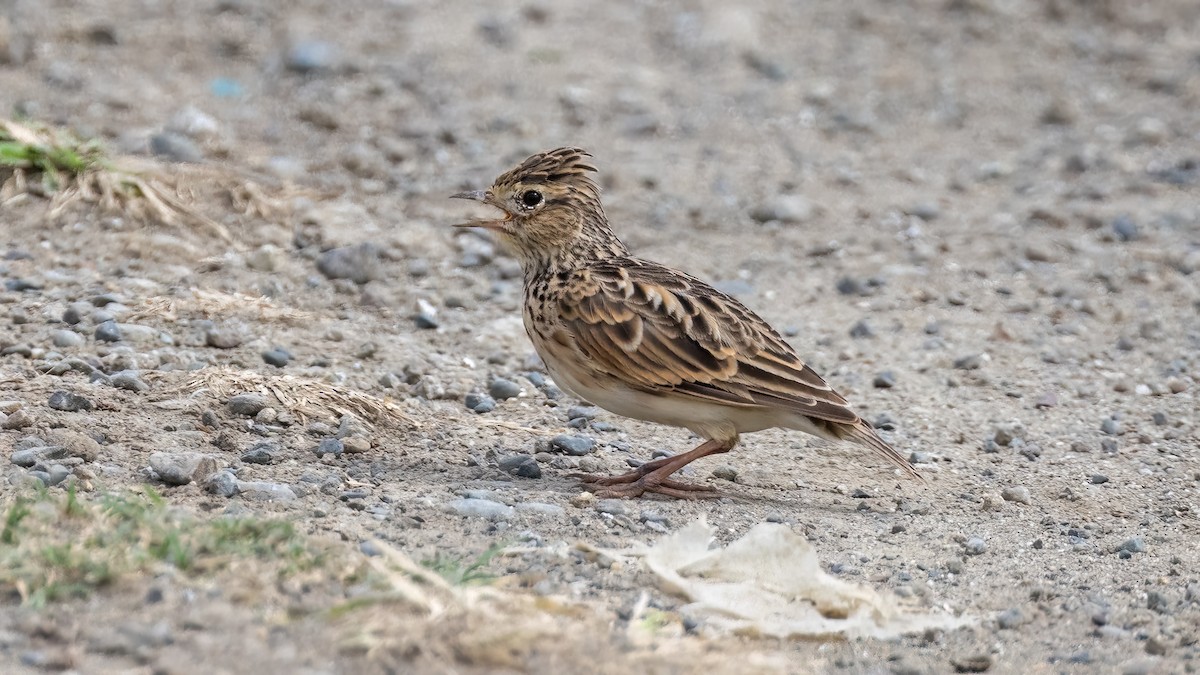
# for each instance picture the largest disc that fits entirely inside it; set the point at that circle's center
(645, 341)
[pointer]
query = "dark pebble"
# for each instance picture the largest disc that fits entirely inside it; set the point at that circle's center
(222, 338)
(246, 404)
(523, 466)
(261, 453)
(330, 446)
(969, 362)
(175, 147)
(356, 493)
(276, 357)
(1160, 419)
(68, 402)
(222, 483)
(359, 264)
(850, 286)
(480, 403)
(108, 332)
(862, 329)
(501, 389)
(1133, 545)
(1098, 479)
(576, 446)
(1112, 427)
(1125, 228)
(885, 380)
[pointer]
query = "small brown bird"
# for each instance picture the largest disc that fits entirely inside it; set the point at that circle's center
(646, 341)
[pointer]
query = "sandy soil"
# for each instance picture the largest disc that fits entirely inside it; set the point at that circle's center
(980, 219)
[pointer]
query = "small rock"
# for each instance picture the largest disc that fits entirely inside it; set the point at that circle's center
(975, 546)
(31, 456)
(266, 492)
(360, 264)
(18, 419)
(1156, 646)
(784, 208)
(76, 443)
(613, 507)
(330, 446)
(977, 663)
(128, 380)
(1098, 479)
(426, 315)
(277, 357)
(68, 402)
(1133, 545)
(356, 445)
(248, 404)
(482, 508)
(181, 468)
(524, 466)
(67, 339)
(861, 330)
(108, 331)
(175, 147)
(501, 389)
(222, 483)
(480, 403)
(576, 446)
(725, 472)
(261, 453)
(1047, 400)
(885, 380)
(969, 362)
(1125, 228)
(1018, 494)
(309, 56)
(223, 338)
(579, 412)
(1158, 602)
(1009, 619)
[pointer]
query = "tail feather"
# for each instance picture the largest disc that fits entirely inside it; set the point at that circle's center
(863, 434)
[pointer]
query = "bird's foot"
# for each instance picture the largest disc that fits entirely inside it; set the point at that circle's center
(630, 485)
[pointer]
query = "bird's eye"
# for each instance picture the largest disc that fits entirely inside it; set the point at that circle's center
(531, 198)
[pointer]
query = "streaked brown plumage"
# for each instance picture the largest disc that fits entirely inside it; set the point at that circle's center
(646, 341)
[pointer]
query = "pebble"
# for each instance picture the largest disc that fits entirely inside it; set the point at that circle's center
(1133, 545)
(1098, 479)
(330, 446)
(426, 315)
(30, 456)
(248, 404)
(1112, 427)
(277, 357)
(75, 312)
(222, 483)
(175, 147)
(524, 466)
(501, 389)
(356, 445)
(1125, 228)
(128, 380)
(613, 507)
(1009, 619)
(1018, 494)
(18, 419)
(309, 56)
(181, 468)
(67, 339)
(261, 453)
(885, 380)
(975, 546)
(265, 491)
(108, 331)
(482, 508)
(725, 472)
(360, 264)
(576, 446)
(78, 444)
(785, 209)
(581, 412)
(969, 362)
(223, 338)
(480, 403)
(861, 330)
(68, 402)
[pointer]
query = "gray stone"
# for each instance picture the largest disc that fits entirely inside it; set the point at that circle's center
(1133, 545)
(482, 508)
(1125, 229)
(1098, 479)
(330, 446)
(969, 362)
(30, 456)
(67, 339)
(576, 446)
(861, 330)
(725, 472)
(108, 331)
(277, 357)
(181, 468)
(784, 208)
(975, 546)
(223, 338)
(309, 56)
(265, 492)
(261, 453)
(1112, 427)
(18, 419)
(501, 389)
(613, 507)
(1018, 494)
(480, 403)
(359, 264)
(524, 466)
(128, 380)
(885, 380)
(248, 404)
(580, 412)
(222, 483)
(175, 147)
(68, 402)
(1010, 619)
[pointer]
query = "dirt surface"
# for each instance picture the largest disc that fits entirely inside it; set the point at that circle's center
(980, 219)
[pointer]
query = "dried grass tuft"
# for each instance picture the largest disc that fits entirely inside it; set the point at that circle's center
(207, 303)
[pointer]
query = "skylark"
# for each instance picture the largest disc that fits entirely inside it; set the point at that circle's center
(646, 341)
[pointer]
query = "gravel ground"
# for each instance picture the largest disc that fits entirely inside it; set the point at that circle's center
(979, 218)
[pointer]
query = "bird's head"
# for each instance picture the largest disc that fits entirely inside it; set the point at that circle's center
(550, 205)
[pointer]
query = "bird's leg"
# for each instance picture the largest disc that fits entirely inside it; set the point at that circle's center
(654, 476)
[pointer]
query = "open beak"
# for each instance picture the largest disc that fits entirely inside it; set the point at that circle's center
(483, 197)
